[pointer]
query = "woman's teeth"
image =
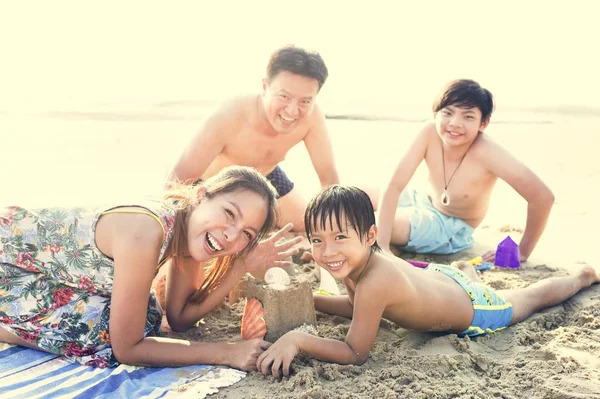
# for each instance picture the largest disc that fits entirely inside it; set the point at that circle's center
(212, 243)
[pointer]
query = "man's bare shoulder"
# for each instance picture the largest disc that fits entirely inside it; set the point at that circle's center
(230, 117)
(316, 119)
(239, 108)
(317, 114)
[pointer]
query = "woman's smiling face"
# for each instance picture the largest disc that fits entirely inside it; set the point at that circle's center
(224, 224)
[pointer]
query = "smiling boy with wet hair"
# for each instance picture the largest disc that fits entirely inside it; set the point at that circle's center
(378, 285)
(341, 201)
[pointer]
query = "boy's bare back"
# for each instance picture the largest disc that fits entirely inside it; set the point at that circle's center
(413, 298)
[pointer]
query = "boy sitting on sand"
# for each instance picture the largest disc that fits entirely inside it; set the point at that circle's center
(464, 164)
(340, 224)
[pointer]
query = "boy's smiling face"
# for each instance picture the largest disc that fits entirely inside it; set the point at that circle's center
(339, 249)
(458, 126)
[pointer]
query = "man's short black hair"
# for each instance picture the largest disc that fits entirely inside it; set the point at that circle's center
(298, 61)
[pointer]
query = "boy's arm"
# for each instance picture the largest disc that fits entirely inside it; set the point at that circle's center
(338, 305)
(537, 194)
(205, 146)
(404, 172)
(368, 310)
(318, 145)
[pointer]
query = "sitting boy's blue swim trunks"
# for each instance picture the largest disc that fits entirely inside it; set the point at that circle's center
(491, 312)
(430, 230)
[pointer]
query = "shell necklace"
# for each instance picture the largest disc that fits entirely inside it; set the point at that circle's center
(445, 198)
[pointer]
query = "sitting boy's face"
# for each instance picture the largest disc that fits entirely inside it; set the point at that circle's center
(339, 249)
(458, 126)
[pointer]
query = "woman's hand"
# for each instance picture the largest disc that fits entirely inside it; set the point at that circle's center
(244, 354)
(278, 356)
(270, 252)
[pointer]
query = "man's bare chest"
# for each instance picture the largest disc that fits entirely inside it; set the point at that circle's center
(257, 151)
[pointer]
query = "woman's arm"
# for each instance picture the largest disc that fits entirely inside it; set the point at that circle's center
(135, 249)
(183, 283)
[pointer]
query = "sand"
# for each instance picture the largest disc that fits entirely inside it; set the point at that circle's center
(553, 354)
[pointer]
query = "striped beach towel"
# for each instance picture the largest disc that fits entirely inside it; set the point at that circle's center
(27, 373)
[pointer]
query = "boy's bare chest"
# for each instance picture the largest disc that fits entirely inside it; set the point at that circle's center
(463, 181)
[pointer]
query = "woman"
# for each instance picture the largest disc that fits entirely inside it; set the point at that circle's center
(77, 282)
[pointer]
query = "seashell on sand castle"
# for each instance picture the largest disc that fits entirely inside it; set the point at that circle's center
(277, 276)
(161, 294)
(253, 321)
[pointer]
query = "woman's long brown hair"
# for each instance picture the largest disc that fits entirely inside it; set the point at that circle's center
(184, 198)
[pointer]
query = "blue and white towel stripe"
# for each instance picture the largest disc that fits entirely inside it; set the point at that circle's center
(27, 373)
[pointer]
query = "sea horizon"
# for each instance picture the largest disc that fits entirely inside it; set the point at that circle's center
(199, 109)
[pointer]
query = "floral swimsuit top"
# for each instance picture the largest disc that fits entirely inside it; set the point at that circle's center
(60, 242)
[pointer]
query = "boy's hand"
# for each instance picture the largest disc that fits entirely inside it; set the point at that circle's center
(244, 353)
(278, 356)
(489, 256)
(270, 253)
(522, 258)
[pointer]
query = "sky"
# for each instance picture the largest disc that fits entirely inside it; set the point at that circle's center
(381, 53)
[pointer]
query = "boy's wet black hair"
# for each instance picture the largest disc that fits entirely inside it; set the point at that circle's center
(338, 200)
(465, 93)
(298, 61)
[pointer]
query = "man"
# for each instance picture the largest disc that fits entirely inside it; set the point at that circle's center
(259, 130)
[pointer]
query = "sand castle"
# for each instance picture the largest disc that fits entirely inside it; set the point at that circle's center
(286, 304)
(281, 303)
